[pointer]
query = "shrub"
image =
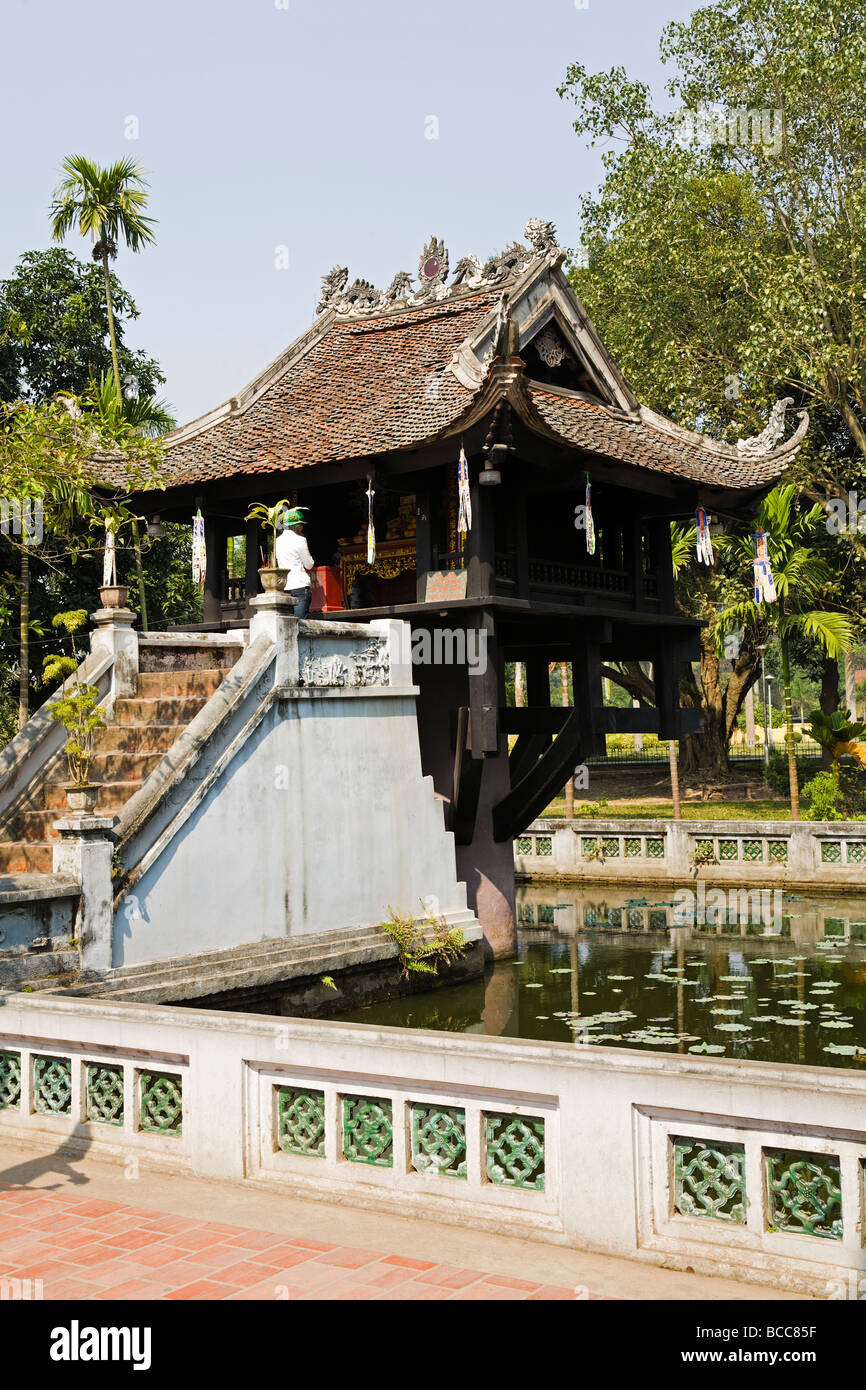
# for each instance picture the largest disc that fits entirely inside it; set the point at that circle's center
(823, 793)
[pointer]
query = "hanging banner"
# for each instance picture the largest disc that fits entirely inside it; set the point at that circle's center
(199, 550)
(590, 524)
(704, 549)
(371, 529)
(464, 516)
(765, 584)
(109, 570)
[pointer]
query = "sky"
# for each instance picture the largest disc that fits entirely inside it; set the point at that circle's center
(282, 137)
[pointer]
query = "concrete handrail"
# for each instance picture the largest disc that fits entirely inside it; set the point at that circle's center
(27, 753)
(183, 754)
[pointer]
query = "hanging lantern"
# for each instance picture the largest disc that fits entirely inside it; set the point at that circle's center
(590, 524)
(109, 564)
(704, 548)
(765, 584)
(199, 550)
(371, 529)
(464, 515)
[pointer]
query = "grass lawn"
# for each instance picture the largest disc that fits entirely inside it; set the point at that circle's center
(692, 810)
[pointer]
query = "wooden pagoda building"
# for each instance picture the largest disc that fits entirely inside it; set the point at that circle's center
(502, 360)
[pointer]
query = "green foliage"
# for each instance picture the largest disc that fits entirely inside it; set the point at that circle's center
(269, 518)
(106, 204)
(419, 956)
(823, 794)
(328, 982)
(595, 809)
(76, 708)
(54, 329)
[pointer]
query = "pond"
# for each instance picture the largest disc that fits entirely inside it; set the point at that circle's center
(783, 986)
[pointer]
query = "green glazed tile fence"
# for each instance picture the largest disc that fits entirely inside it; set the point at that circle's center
(301, 1121)
(105, 1094)
(805, 1193)
(515, 1150)
(804, 1190)
(439, 1140)
(368, 1130)
(161, 1103)
(710, 1179)
(10, 1080)
(52, 1085)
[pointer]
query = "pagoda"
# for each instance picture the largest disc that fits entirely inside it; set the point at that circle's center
(572, 488)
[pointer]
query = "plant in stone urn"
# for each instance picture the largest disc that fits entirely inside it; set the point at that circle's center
(269, 518)
(114, 521)
(77, 709)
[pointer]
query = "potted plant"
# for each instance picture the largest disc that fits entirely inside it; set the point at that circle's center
(271, 576)
(77, 709)
(114, 521)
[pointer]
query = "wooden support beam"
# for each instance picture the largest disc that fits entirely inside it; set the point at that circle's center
(545, 778)
(468, 772)
(484, 694)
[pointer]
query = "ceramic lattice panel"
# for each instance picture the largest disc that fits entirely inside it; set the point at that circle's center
(589, 847)
(52, 1085)
(805, 1193)
(610, 848)
(658, 918)
(632, 849)
(104, 1094)
(753, 851)
(301, 1121)
(368, 1130)
(635, 917)
(778, 851)
(161, 1102)
(655, 847)
(525, 912)
(831, 852)
(515, 1151)
(524, 844)
(614, 917)
(710, 1180)
(728, 850)
(10, 1080)
(543, 846)
(546, 914)
(856, 852)
(439, 1140)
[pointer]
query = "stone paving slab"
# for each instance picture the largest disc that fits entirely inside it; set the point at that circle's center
(94, 1249)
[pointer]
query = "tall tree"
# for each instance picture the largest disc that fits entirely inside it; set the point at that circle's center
(724, 256)
(106, 204)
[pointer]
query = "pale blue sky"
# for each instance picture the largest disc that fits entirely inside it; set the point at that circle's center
(301, 123)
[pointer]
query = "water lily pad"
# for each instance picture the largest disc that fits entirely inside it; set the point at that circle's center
(846, 1050)
(834, 1023)
(620, 977)
(714, 1048)
(732, 1027)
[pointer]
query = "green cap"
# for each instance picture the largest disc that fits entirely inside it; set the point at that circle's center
(295, 517)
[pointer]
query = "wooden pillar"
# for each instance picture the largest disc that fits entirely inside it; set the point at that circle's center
(480, 544)
(254, 560)
(521, 548)
(661, 533)
(423, 543)
(215, 546)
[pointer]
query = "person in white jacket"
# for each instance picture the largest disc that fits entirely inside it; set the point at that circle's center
(293, 554)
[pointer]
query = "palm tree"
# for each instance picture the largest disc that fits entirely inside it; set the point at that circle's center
(106, 204)
(800, 574)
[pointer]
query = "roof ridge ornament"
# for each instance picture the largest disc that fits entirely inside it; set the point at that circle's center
(362, 298)
(764, 443)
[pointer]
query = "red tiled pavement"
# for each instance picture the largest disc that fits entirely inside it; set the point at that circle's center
(85, 1249)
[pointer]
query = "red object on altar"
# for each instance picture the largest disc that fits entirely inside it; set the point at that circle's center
(327, 595)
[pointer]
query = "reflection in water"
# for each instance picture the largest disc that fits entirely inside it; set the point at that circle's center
(610, 971)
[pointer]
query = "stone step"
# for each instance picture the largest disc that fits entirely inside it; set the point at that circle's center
(173, 709)
(123, 767)
(36, 826)
(22, 857)
(136, 738)
(158, 684)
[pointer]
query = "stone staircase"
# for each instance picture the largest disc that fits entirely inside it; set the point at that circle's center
(141, 731)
